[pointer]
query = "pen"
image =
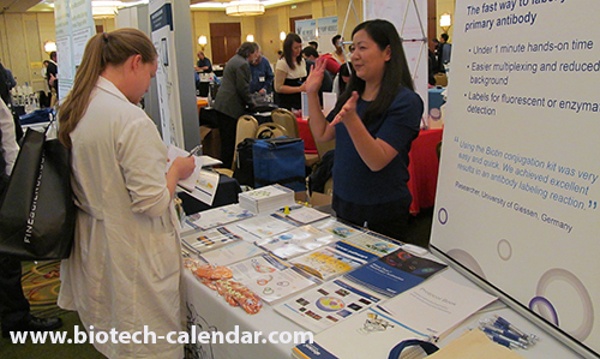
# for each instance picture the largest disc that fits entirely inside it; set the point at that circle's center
(194, 151)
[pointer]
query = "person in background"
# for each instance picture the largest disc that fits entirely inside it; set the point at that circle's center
(374, 123)
(15, 313)
(314, 44)
(311, 56)
(10, 79)
(7, 82)
(290, 73)
(444, 52)
(52, 77)
(342, 78)
(124, 271)
(262, 76)
(233, 99)
(203, 64)
(338, 54)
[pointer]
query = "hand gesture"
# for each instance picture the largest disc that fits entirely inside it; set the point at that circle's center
(315, 79)
(348, 111)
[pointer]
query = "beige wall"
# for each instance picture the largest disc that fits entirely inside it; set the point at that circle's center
(266, 28)
(22, 35)
(22, 38)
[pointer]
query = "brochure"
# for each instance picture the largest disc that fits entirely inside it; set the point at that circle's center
(337, 228)
(270, 278)
(326, 263)
(295, 241)
(437, 305)
(322, 307)
(232, 253)
(204, 241)
(263, 226)
(301, 214)
(374, 243)
(267, 199)
(215, 217)
(395, 273)
(369, 334)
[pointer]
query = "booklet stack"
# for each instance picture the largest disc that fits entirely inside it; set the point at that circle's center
(266, 199)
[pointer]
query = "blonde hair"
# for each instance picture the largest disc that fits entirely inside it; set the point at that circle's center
(112, 48)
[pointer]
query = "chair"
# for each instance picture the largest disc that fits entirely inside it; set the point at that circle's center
(246, 128)
(270, 130)
(286, 118)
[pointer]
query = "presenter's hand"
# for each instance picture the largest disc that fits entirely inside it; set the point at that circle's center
(315, 79)
(184, 167)
(348, 111)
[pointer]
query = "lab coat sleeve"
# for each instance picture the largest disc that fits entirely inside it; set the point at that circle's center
(142, 158)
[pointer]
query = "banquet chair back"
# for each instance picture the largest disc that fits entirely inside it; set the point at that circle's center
(270, 130)
(286, 118)
(323, 147)
(246, 128)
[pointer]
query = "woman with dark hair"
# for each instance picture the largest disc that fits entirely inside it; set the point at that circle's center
(290, 73)
(5, 95)
(342, 78)
(233, 99)
(374, 123)
(124, 270)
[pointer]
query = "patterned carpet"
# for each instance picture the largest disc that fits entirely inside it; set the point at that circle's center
(41, 284)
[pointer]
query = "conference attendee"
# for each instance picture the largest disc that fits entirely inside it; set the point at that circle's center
(52, 77)
(15, 313)
(203, 64)
(444, 50)
(342, 79)
(124, 271)
(233, 98)
(290, 73)
(7, 82)
(262, 76)
(374, 123)
(311, 56)
(314, 44)
(338, 53)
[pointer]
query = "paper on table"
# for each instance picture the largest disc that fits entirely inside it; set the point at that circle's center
(436, 306)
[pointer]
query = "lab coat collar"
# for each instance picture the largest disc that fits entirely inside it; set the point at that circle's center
(105, 84)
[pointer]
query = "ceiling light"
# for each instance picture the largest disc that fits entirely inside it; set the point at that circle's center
(245, 8)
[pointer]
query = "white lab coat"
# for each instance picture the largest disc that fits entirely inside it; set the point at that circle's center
(9, 142)
(125, 268)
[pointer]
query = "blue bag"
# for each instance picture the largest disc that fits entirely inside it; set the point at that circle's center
(279, 160)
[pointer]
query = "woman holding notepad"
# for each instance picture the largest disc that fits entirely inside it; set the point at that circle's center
(374, 123)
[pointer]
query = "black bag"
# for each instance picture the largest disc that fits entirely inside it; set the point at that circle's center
(321, 173)
(37, 211)
(244, 167)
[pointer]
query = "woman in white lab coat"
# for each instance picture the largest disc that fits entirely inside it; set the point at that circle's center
(124, 271)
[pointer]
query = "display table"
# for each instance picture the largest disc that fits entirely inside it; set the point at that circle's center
(206, 310)
(423, 169)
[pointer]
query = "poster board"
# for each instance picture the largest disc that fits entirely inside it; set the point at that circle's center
(321, 30)
(517, 197)
(74, 27)
(409, 17)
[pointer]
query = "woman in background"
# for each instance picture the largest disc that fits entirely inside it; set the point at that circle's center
(290, 73)
(374, 123)
(125, 267)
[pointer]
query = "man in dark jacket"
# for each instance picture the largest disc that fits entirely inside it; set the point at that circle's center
(233, 97)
